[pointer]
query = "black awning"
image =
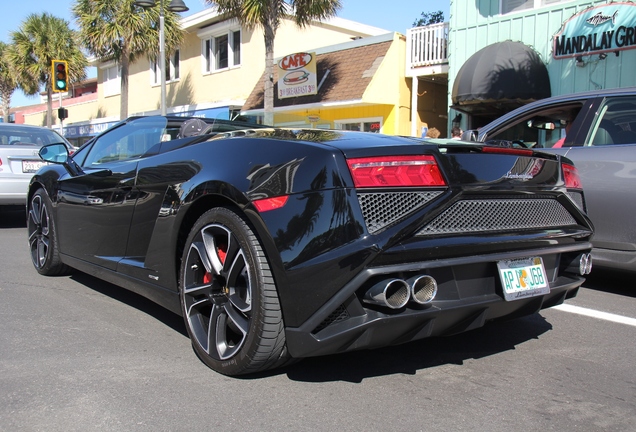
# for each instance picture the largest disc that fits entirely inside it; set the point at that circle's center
(504, 75)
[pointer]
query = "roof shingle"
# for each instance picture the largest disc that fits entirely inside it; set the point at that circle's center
(349, 73)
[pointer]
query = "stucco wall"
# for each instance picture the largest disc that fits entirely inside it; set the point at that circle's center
(389, 87)
(227, 86)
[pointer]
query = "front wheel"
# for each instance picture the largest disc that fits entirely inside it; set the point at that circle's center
(43, 236)
(228, 296)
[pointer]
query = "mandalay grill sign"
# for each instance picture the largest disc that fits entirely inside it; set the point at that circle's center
(599, 29)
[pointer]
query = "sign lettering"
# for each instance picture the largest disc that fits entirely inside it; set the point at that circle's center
(596, 30)
(297, 75)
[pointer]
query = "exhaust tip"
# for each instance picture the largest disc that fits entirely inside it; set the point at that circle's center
(423, 289)
(394, 294)
(585, 264)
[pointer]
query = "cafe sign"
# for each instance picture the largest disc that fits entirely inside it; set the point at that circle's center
(297, 74)
(599, 29)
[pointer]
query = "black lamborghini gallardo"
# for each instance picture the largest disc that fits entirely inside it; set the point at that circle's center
(277, 244)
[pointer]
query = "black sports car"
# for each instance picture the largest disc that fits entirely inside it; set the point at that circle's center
(277, 244)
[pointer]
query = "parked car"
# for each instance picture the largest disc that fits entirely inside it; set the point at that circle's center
(602, 143)
(19, 160)
(277, 244)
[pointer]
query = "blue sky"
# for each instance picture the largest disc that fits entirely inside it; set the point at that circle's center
(370, 12)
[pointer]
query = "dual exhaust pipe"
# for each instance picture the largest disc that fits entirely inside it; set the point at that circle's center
(585, 264)
(396, 293)
(581, 264)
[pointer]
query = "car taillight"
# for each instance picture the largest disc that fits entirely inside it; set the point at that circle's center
(395, 171)
(571, 177)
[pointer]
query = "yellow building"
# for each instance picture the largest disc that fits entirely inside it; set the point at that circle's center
(220, 64)
(361, 86)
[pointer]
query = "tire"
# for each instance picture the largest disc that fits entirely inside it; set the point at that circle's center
(43, 237)
(228, 297)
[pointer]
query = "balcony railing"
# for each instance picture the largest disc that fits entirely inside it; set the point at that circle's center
(427, 46)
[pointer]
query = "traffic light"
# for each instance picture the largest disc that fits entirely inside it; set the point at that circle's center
(59, 74)
(62, 113)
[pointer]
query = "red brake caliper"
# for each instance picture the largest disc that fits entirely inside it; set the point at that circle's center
(222, 251)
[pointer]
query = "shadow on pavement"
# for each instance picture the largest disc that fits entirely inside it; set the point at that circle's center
(136, 301)
(409, 358)
(611, 281)
(12, 217)
(492, 339)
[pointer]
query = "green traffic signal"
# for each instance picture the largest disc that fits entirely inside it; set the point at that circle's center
(60, 76)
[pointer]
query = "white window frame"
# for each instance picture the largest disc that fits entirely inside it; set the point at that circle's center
(234, 49)
(112, 79)
(174, 72)
(338, 123)
(532, 4)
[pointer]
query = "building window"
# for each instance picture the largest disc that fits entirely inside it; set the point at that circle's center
(361, 125)
(171, 69)
(112, 81)
(222, 51)
(508, 6)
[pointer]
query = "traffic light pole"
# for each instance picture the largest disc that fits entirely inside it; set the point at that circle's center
(61, 119)
(59, 84)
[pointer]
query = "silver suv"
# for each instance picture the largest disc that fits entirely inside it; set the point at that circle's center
(596, 130)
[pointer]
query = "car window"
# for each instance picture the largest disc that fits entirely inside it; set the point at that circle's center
(16, 135)
(128, 141)
(545, 128)
(615, 123)
(80, 155)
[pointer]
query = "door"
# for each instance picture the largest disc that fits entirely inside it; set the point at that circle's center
(607, 166)
(95, 208)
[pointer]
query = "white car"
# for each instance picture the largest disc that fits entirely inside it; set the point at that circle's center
(19, 160)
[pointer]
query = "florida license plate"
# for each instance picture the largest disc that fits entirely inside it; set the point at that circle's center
(31, 166)
(522, 278)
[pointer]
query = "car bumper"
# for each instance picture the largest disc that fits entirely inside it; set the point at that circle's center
(469, 296)
(13, 191)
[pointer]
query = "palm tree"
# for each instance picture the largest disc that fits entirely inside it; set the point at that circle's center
(120, 31)
(7, 82)
(39, 40)
(268, 14)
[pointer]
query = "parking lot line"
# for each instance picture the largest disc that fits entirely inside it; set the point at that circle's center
(596, 314)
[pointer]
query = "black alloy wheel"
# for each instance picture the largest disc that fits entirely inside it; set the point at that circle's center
(43, 237)
(228, 296)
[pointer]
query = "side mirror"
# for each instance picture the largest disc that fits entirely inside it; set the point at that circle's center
(470, 135)
(54, 153)
(58, 154)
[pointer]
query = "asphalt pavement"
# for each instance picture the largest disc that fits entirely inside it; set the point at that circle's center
(80, 354)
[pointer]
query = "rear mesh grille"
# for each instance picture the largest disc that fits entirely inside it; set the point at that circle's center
(340, 314)
(384, 208)
(577, 197)
(499, 215)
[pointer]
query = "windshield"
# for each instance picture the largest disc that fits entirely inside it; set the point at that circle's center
(126, 141)
(16, 135)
